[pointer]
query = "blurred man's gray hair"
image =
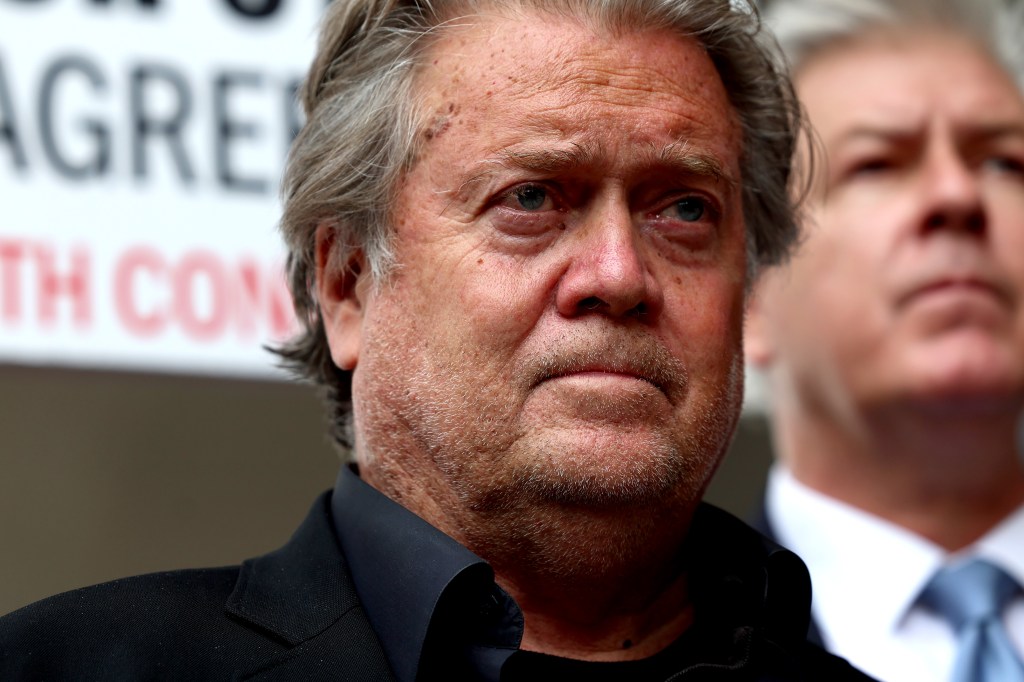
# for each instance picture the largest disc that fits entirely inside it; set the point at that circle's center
(805, 27)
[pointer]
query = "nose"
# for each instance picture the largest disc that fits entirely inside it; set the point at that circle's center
(953, 197)
(607, 273)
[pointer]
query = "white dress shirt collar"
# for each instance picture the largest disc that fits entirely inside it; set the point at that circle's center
(868, 572)
(845, 547)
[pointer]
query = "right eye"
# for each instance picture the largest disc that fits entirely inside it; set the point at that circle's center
(529, 197)
(870, 166)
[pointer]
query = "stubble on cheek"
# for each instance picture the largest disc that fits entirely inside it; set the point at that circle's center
(454, 421)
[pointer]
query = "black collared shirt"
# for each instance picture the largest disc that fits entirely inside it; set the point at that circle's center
(426, 596)
(439, 614)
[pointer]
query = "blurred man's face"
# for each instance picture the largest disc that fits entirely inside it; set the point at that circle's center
(564, 324)
(910, 285)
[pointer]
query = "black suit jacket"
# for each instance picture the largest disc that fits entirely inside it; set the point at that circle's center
(292, 614)
(763, 525)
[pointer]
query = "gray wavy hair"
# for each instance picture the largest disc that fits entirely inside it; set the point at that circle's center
(362, 123)
(805, 27)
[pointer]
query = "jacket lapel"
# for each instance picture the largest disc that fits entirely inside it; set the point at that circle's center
(302, 595)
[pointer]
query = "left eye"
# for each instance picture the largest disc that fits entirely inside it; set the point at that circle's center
(527, 198)
(687, 209)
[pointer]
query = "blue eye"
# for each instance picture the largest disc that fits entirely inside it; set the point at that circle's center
(530, 197)
(689, 209)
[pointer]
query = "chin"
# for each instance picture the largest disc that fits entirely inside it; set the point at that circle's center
(971, 391)
(969, 374)
(599, 472)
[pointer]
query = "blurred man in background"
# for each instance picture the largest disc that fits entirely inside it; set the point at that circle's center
(894, 343)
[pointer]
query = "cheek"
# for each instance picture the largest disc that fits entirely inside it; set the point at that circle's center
(842, 251)
(506, 293)
(1006, 224)
(704, 321)
(485, 306)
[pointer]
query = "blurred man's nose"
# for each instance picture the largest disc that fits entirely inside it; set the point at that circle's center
(951, 191)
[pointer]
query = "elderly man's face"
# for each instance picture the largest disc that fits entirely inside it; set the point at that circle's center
(910, 286)
(564, 323)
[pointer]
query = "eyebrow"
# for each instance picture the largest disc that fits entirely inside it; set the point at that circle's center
(974, 132)
(881, 132)
(1000, 130)
(676, 156)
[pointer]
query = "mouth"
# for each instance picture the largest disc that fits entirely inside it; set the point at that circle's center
(955, 287)
(604, 373)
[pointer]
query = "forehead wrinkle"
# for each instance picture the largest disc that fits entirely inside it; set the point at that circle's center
(895, 133)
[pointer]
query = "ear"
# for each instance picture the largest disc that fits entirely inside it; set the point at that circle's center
(340, 288)
(757, 342)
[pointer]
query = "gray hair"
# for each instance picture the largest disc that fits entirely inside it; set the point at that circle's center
(362, 126)
(805, 27)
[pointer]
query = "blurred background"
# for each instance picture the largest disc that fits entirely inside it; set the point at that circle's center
(143, 425)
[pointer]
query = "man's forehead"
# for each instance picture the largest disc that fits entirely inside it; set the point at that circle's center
(539, 52)
(560, 95)
(897, 86)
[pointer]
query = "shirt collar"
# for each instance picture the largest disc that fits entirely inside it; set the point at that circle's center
(400, 566)
(845, 547)
(1002, 545)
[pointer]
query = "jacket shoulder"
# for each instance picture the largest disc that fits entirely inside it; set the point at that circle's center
(161, 625)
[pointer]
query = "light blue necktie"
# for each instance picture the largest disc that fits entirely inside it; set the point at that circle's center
(972, 596)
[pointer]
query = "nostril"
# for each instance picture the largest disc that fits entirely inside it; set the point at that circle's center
(590, 303)
(936, 221)
(976, 223)
(972, 223)
(639, 310)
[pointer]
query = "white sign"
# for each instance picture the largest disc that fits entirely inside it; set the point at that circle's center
(141, 145)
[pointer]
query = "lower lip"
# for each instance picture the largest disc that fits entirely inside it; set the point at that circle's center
(955, 291)
(956, 297)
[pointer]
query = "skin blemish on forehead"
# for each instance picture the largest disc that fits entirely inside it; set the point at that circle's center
(442, 122)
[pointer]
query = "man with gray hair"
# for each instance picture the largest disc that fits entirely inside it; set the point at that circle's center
(894, 341)
(521, 236)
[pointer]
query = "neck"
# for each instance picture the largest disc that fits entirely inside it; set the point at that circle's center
(949, 475)
(601, 586)
(598, 581)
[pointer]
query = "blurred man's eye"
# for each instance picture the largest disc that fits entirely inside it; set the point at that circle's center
(1005, 164)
